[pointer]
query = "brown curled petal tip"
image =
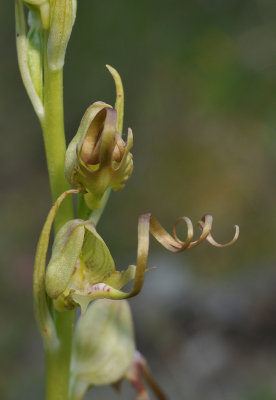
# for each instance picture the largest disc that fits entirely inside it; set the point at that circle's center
(190, 232)
(163, 237)
(205, 225)
(216, 244)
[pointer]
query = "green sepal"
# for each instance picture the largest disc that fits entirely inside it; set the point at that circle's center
(80, 260)
(71, 158)
(65, 253)
(96, 255)
(104, 346)
(43, 314)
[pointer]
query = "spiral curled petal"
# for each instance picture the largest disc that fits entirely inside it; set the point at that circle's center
(147, 224)
(206, 222)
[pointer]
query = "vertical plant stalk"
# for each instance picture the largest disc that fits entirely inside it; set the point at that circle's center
(54, 138)
(57, 360)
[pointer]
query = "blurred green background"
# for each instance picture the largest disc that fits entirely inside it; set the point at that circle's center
(200, 83)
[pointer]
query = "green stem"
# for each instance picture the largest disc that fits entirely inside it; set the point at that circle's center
(54, 140)
(58, 360)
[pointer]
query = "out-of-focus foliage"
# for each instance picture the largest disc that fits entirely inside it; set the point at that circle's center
(200, 82)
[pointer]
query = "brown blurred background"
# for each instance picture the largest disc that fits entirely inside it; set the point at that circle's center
(200, 83)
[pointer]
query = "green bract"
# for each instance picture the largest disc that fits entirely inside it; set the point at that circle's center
(29, 45)
(34, 43)
(41, 44)
(81, 262)
(104, 346)
(98, 157)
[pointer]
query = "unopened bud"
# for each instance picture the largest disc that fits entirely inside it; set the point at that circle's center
(62, 18)
(44, 8)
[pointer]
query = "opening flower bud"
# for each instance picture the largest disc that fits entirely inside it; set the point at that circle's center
(98, 157)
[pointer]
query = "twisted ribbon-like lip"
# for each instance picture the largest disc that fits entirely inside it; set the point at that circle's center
(147, 224)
